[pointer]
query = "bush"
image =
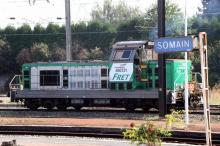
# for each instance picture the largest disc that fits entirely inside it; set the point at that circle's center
(146, 133)
(174, 117)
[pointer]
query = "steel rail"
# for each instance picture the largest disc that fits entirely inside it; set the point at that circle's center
(19, 108)
(190, 137)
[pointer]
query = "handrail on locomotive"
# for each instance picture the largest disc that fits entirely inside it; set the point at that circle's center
(15, 83)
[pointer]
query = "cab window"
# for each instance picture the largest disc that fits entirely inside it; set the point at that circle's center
(122, 54)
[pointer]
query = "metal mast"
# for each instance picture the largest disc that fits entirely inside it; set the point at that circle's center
(68, 31)
(186, 91)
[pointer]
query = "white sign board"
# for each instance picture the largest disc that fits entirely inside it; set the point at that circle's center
(121, 72)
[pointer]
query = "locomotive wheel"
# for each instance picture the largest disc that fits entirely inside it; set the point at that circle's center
(77, 108)
(49, 106)
(61, 107)
(33, 107)
(130, 108)
(61, 104)
(146, 108)
(31, 104)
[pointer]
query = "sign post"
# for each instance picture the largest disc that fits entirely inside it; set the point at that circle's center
(162, 60)
(181, 44)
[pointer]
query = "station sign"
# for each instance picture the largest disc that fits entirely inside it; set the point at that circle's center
(179, 44)
(121, 72)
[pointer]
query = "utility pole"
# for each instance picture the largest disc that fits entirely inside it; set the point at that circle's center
(68, 31)
(162, 61)
(186, 91)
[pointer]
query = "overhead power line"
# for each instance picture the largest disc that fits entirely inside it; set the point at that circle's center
(73, 33)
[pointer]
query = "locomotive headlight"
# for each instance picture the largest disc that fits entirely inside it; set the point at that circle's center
(192, 67)
(181, 87)
(201, 100)
(173, 99)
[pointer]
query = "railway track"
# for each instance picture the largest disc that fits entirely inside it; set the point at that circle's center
(189, 137)
(215, 110)
(194, 141)
(117, 114)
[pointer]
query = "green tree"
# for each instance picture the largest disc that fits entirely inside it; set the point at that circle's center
(21, 38)
(39, 29)
(6, 60)
(94, 34)
(210, 8)
(214, 62)
(11, 37)
(114, 14)
(209, 22)
(209, 25)
(96, 54)
(10, 30)
(99, 34)
(39, 33)
(174, 21)
(55, 34)
(79, 34)
(24, 56)
(58, 54)
(127, 31)
(39, 52)
(83, 54)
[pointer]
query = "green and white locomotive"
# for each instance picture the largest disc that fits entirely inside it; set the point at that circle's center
(128, 80)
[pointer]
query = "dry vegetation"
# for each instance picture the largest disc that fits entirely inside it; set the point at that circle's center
(215, 95)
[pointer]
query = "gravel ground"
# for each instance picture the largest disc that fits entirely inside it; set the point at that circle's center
(112, 114)
(78, 114)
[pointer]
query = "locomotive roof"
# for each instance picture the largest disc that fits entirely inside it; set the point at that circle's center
(68, 63)
(132, 44)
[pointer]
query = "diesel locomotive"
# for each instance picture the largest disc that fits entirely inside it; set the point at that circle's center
(129, 79)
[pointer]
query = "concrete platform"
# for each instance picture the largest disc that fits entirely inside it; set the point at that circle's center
(71, 141)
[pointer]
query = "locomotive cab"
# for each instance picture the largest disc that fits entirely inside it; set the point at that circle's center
(128, 70)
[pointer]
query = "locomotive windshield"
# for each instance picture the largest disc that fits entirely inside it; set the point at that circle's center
(122, 54)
